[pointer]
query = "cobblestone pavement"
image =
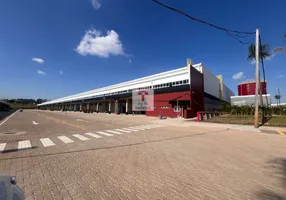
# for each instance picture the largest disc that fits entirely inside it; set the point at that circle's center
(157, 163)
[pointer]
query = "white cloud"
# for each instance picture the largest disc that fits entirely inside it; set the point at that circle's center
(253, 62)
(281, 76)
(268, 59)
(93, 43)
(237, 76)
(96, 4)
(41, 72)
(129, 61)
(38, 60)
(61, 72)
(271, 57)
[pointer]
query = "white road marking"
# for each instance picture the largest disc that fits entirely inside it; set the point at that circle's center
(138, 128)
(25, 144)
(47, 142)
(144, 127)
(81, 137)
(81, 120)
(2, 146)
(65, 139)
(124, 131)
(129, 129)
(35, 123)
(103, 133)
(93, 135)
(115, 132)
(8, 118)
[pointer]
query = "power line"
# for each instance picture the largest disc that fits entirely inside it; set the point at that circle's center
(232, 33)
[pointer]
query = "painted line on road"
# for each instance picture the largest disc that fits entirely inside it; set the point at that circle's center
(124, 131)
(81, 137)
(281, 133)
(147, 127)
(103, 133)
(93, 135)
(65, 139)
(2, 146)
(35, 123)
(115, 132)
(63, 122)
(138, 128)
(25, 144)
(47, 142)
(8, 118)
(129, 129)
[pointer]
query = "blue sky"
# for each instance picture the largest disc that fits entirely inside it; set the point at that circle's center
(134, 39)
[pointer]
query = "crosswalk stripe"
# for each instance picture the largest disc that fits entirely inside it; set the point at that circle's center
(130, 129)
(24, 144)
(147, 127)
(2, 146)
(103, 133)
(65, 139)
(93, 135)
(47, 142)
(124, 131)
(138, 128)
(115, 132)
(81, 137)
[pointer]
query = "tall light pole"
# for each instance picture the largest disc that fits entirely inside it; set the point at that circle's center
(256, 115)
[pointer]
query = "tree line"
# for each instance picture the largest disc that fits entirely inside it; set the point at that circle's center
(24, 101)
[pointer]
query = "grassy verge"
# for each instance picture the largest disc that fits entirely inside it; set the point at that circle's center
(248, 120)
(24, 106)
(276, 121)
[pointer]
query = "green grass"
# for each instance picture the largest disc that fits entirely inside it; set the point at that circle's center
(276, 121)
(248, 120)
(232, 119)
(24, 106)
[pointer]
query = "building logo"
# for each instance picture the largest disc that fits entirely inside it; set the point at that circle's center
(143, 100)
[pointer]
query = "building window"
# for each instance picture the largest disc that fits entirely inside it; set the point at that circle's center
(185, 81)
(177, 109)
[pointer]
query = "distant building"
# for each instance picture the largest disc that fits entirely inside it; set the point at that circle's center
(248, 88)
(246, 94)
(249, 100)
(280, 104)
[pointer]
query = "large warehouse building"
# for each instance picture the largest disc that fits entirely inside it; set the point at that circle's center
(180, 92)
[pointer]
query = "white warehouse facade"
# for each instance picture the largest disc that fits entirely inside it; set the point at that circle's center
(179, 92)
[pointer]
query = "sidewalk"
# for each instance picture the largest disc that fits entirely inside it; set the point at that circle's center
(192, 123)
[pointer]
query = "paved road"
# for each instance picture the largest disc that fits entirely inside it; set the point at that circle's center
(100, 156)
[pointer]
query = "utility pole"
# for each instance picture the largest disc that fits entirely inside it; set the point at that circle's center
(256, 115)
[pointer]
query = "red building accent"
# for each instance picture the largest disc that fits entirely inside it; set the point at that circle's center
(248, 88)
(190, 101)
(164, 104)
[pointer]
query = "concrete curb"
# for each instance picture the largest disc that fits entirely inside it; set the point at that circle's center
(185, 123)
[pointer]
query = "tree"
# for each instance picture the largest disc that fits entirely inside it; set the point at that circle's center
(277, 97)
(265, 52)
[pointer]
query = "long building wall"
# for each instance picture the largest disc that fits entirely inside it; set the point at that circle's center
(194, 88)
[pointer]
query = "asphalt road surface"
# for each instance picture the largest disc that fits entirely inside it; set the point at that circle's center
(59, 155)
